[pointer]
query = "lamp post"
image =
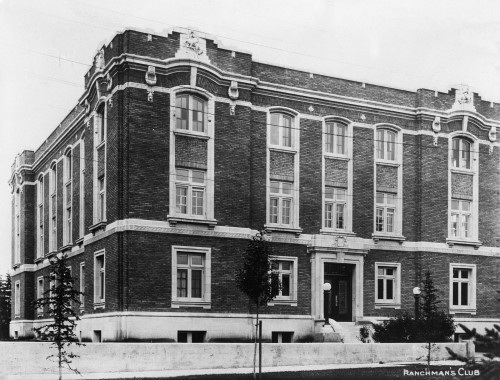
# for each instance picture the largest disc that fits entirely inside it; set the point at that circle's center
(326, 294)
(416, 294)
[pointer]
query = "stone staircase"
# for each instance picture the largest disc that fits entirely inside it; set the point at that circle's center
(349, 331)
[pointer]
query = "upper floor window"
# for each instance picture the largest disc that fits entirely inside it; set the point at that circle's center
(335, 138)
(67, 198)
(461, 218)
(461, 153)
(281, 203)
(281, 129)
(190, 192)
(385, 212)
(386, 145)
(190, 113)
(53, 209)
(335, 207)
(40, 217)
(100, 127)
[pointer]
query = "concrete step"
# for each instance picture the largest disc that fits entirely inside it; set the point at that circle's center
(349, 332)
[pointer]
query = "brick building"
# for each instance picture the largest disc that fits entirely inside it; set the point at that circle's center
(180, 149)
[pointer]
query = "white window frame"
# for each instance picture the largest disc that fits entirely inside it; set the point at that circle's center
(471, 307)
(282, 116)
(17, 298)
(17, 226)
(384, 141)
(292, 299)
(191, 111)
(39, 293)
(398, 164)
(97, 280)
(191, 187)
(82, 189)
(82, 285)
(205, 300)
(473, 171)
(347, 156)
(53, 208)
(334, 202)
(461, 161)
(294, 149)
(68, 197)
(281, 198)
(395, 303)
(209, 135)
(460, 213)
(385, 207)
(335, 137)
(40, 224)
(100, 141)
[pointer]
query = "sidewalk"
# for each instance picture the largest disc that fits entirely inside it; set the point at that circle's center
(196, 372)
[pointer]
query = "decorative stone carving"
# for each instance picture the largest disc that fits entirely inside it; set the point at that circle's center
(150, 95)
(363, 117)
(99, 60)
(87, 107)
(232, 109)
(436, 128)
(340, 242)
(493, 134)
(464, 99)
(151, 76)
(110, 102)
(233, 90)
(109, 81)
(311, 108)
(150, 38)
(192, 47)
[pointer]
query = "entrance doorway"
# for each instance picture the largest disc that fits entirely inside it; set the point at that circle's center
(339, 276)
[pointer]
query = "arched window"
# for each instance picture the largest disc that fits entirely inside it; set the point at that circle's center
(386, 145)
(335, 138)
(461, 149)
(281, 129)
(190, 114)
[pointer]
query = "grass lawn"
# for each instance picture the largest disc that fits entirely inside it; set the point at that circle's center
(396, 372)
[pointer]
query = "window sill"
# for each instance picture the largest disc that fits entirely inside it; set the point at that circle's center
(79, 242)
(66, 247)
(451, 242)
(282, 149)
(327, 231)
(386, 162)
(185, 132)
(463, 311)
(39, 260)
(282, 302)
(99, 305)
(343, 157)
(173, 220)
(270, 228)
(380, 305)
(398, 238)
(98, 226)
(203, 304)
(51, 254)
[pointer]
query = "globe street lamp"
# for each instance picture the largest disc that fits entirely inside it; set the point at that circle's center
(326, 294)
(416, 294)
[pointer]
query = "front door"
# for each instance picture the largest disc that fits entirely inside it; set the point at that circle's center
(339, 276)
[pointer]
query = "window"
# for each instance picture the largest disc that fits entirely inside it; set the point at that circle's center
(461, 153)
(463, 287)
(101, 188)
(386, 145)
(17, 299)
(335, 208)
(387, 284)
(191, 268)
(67, 198)
(17, 227)
(100, 125)
(191, 336)
(281, 203)
(335, 138)
(190, 192)
(281, 130)
(99, 279)
(385, 212)
(40, 217)
(81, 225)
(286, 267)
(190, 113)
(53, 209)
(460, 219)
(82, 285)
(39, 294)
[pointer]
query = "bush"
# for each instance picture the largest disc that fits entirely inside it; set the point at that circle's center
(399, 329)
(365, 334)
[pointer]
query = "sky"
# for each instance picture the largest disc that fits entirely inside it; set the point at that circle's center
(48, 46)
